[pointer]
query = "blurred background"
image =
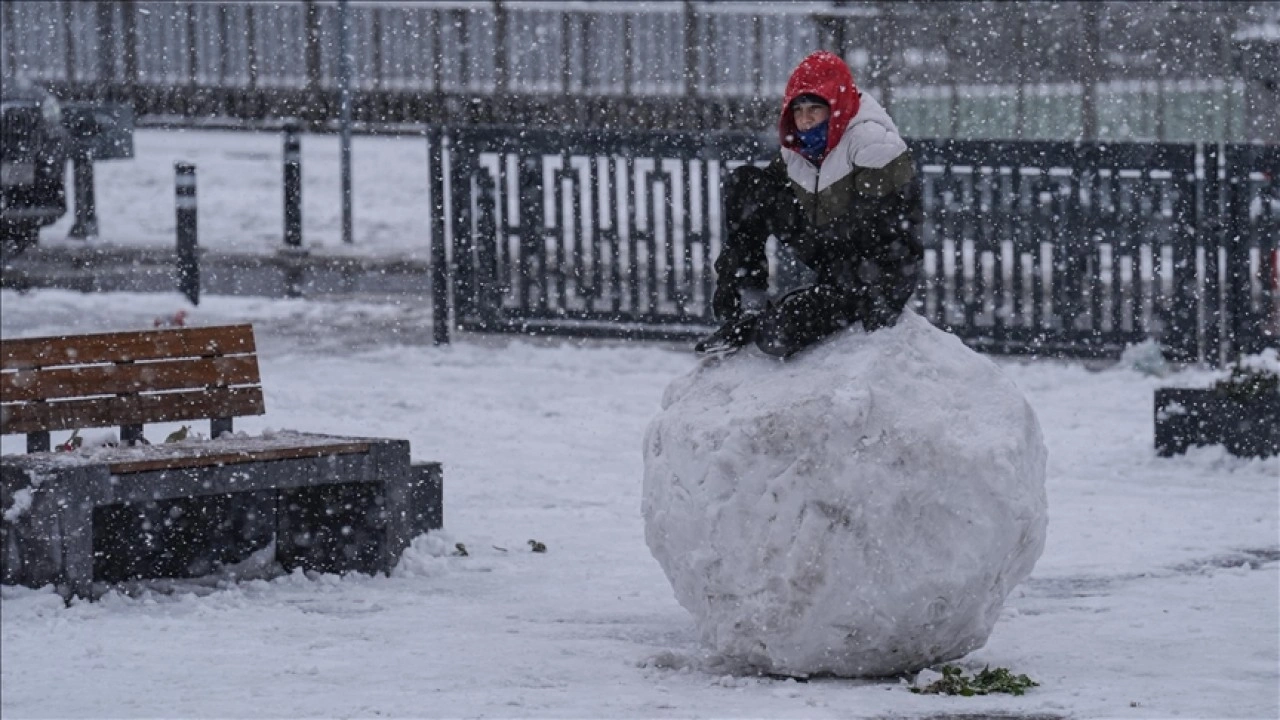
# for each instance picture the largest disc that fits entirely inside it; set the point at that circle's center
(1162, 71)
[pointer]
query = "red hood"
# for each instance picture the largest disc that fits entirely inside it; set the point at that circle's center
(823, 74)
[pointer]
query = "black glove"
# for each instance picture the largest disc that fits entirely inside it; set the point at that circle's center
(732, 335)
(726, 303)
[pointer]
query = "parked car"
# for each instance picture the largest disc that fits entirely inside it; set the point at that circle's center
(33, 157)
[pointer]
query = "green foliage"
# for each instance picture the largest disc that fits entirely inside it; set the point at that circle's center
(955, 682)
(1247, 383)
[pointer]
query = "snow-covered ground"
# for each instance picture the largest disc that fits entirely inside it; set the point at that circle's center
(1157, 595)
(240, 193)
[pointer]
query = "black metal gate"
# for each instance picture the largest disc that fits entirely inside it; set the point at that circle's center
(587, 233)
(1031, 247)
(1061, 249)
(1243, 194)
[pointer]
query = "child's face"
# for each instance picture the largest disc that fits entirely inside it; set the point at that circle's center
(809, 115)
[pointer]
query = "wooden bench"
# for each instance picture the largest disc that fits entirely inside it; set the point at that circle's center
(332, 504)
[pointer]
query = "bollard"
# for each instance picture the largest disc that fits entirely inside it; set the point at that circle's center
(439, 250)
(292, 186)
(344, 112)
(86, 208)
(184, 188)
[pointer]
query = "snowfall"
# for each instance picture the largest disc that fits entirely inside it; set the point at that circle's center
(1157, 595)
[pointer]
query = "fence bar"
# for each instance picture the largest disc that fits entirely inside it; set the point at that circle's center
(106, 61)
(129, 21)
(312, 47)
(530, 183)
(86, 207)
(68, 20)
(1237, 262)
(487, 293)
(463, 164)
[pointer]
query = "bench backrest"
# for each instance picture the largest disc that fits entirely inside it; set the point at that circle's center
(128, 379)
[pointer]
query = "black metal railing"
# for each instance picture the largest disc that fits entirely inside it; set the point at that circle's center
(590, 232)
(1244, 201)
(1072, 249)
(1060, 247)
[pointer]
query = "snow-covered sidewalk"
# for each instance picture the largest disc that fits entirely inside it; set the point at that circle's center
(240, 193)
(1157, 595)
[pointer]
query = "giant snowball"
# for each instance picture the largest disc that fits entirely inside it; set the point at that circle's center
(862, 509)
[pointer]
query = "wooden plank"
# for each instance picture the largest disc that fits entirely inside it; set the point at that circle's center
(187, 373)
(27, 353)
(232, 458)
(131, 409)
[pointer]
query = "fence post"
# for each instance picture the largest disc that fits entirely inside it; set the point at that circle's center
(1215, 242)
(8, 16)
(250, 45)
(184, 188)
(439, 256)
(1183, 343)
(956, 55)
(1020, 99)
(193, 54)
(1089, 70)
(292, 185)
(628, 54)
(886, 45)
(104, 31)
(312, 50)
(129, 28)
(501, 67)
(68, 22)
(1245, 324)
(839, 30)
(690, 52)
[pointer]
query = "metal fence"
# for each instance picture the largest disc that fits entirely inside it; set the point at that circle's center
(1074, 249)
(1243, 195)
(1021, 70)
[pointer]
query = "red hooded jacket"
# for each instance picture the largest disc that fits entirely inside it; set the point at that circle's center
(823, 74)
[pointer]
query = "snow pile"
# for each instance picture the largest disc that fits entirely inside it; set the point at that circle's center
(1146, 357)
(862, 509)
(1265, 362)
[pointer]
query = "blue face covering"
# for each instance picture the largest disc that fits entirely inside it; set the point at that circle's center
(813, 142)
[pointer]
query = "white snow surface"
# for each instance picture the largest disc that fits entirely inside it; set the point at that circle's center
(861, 510)
(240, 193)
(1156, 595)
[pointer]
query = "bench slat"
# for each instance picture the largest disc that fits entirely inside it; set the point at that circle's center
(232, 458)
(132, 409)
(68, 382)
(27, 353)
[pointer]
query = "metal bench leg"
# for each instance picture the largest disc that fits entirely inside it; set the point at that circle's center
(397, 494)
(415, 505)
(76, 528)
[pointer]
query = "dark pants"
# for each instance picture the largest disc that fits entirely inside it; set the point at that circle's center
(802, 317)
(849, 287)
